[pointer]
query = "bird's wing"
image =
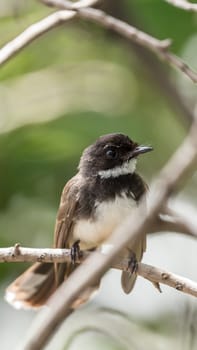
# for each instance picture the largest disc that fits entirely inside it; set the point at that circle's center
(65, 221)
(67, 215)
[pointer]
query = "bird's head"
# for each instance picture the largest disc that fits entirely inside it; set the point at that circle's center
(111, 155)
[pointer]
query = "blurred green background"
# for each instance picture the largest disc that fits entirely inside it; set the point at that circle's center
(57, 96)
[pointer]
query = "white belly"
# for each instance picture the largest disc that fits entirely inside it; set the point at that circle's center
(107, 217)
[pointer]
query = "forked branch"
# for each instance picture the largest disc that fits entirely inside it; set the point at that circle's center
(160, 47)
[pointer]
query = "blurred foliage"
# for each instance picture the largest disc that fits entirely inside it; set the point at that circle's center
(64, 90)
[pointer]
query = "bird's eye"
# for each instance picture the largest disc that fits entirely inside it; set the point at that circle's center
(111, 153)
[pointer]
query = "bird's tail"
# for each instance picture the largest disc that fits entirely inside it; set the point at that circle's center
(33, 288)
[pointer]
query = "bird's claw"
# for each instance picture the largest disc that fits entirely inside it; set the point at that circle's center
(75, 252)
(132, 265)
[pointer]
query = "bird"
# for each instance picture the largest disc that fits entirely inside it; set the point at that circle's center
(103, 193)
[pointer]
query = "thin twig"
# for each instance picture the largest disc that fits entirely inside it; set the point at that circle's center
(160, 47)
(157, 275)
(57, 18)
(68, 5)
(156, 69)
(130, 232)
(115, 24)
(33, 32)
(175, 61)
(46, 255)
(124, 29)
(183, 4)
(174, 223)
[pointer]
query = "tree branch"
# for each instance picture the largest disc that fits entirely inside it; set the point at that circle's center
(57, 18)
(33, 32)
(183, 4)
(153, 67)
(151, 273)
(160, 47)
(157, 275)
(130, 232)
(174, 223)
(69, 5)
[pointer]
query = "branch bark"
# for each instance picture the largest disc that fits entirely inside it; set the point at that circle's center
(33, 32)
(157, 275)
(174, 223)
(183, 4)
(69, 5)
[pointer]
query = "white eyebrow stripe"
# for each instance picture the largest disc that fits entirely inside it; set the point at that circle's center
(125, 169)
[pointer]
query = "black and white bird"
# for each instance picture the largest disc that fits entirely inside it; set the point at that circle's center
(103, 193)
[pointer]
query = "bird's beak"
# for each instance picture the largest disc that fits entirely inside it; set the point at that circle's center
(139, 150)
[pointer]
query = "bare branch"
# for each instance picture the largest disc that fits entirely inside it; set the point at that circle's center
(47, 255)
(160, 47)
(155, 69)
(174, 223)
(124, 29)
(183, 4)
(69, 5)
(157, 275)
(130, 232)
(175, 61)
(151, 273)
(115, 24)
(33, 32)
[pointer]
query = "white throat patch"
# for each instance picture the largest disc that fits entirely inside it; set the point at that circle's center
(125, 169)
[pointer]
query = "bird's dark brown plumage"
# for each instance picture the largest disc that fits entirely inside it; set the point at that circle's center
(82, 202)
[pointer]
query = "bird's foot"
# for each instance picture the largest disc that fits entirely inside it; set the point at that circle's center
(132, 264)
(75, 252)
